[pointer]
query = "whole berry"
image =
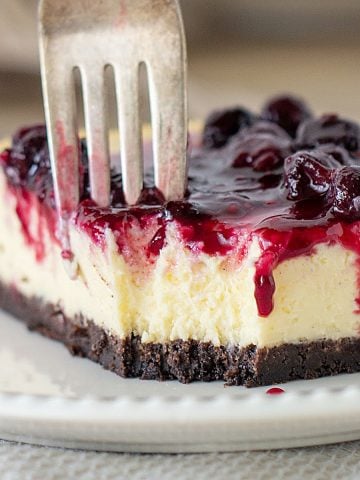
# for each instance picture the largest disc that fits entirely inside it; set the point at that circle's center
(287, 111)
(223, 124)
(261, 152)
(306, 175)
(346, 193)
(28, 160)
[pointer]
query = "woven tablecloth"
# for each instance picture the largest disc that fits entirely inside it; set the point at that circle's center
(25, 462)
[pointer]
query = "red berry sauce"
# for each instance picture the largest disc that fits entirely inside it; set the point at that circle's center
(275, 391)
(285, 178)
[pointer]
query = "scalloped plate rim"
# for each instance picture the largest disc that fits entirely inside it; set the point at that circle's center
(148, 416)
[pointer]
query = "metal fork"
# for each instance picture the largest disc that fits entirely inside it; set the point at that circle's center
(89, 36)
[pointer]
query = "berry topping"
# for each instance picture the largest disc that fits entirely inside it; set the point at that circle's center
(307, 175)
(29, 154)
(329, 129)
(223, 124)
(27, 163)
(288, 112)
(31, 141)
(261, 151)
(346, 193)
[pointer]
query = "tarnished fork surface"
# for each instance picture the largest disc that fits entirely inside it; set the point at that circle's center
(91, 35)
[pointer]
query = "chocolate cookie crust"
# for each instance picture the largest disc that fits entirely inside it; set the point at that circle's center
(186, 361)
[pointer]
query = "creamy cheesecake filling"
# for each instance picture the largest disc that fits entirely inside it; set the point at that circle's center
(46, 278)
(180, 294)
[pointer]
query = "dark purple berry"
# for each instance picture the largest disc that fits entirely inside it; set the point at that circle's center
(329, 129)
(262, 152)
(286, 111)
(306, 175)
(223, 124)
(30, 141)
(346, 193)
(179, 210)
(28, 162)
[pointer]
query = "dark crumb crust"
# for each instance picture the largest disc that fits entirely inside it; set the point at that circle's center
(186, 361)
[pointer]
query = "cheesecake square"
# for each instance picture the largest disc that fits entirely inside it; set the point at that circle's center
(253, 278)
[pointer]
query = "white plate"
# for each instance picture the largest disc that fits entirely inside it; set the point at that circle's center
(48, 397)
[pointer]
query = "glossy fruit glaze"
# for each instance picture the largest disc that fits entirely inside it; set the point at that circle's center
(275, 391)
(284, 177)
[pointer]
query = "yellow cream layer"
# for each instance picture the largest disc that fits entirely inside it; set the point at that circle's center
(184, 295)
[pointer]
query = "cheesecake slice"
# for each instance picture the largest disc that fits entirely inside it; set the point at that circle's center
(254, 278)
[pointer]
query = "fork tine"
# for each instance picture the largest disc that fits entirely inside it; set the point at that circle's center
(64, 150)
(169, 124)
(137, 30)
(127, 91)
(168, 101)
(96, 133)
(58, 85)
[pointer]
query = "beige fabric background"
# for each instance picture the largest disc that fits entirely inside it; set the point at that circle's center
(335, 462)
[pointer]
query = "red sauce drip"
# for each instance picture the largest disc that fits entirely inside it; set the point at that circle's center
(279, 246)
(275, 391)
(264, 290)
(29, 208)
(157, 242)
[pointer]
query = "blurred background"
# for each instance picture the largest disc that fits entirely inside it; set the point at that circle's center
(240, 52)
